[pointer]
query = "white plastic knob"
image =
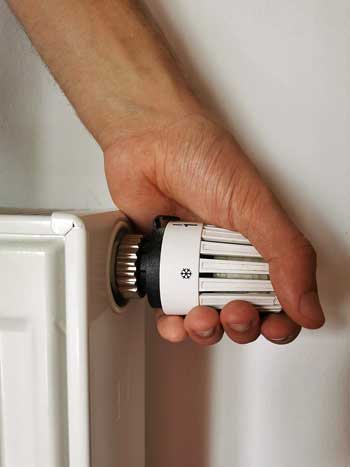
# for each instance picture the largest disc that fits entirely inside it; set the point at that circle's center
(206, 265)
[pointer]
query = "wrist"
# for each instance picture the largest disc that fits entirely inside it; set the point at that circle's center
(158, 104)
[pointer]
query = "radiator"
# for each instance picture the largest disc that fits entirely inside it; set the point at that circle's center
(71, 366)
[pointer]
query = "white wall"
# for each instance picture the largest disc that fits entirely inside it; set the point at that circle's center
(278, 72)
(47, 158)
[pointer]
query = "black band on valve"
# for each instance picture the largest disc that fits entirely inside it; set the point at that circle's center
(149, 265)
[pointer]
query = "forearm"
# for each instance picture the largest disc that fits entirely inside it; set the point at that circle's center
(112, 64)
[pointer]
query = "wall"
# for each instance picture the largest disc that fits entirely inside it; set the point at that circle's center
(47, 158)
(278, 73)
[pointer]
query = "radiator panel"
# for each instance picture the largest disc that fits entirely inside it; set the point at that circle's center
(33, 397)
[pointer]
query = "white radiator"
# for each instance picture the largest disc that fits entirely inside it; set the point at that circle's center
(71, 369)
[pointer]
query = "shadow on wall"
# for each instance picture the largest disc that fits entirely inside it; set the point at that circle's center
(188, 388)
(181, 394)
(20, 96)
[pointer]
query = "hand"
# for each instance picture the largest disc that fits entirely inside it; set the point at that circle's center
(192, 168)
(165, 155)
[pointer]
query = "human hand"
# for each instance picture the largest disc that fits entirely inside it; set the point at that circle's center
(165, 155)
(192, 168)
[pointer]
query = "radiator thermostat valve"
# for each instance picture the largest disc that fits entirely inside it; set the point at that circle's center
(184, 264)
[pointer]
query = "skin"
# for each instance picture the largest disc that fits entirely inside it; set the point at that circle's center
(165, 153)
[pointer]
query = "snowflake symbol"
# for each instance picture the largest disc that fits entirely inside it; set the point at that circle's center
(186, 273)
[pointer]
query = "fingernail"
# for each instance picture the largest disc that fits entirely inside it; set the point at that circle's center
(206, 333)
(310, 307)
(281, 340)
(243, 327)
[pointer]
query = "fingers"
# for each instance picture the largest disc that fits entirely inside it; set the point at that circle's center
(240, 321)
(203, 325)
(279, 328)
(170, 328)
(243, 324)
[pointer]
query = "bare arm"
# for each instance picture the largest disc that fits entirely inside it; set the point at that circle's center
(110, 62)
(125, 85)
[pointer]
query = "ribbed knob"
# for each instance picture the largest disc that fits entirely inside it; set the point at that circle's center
(230, 268)
(126, 265)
